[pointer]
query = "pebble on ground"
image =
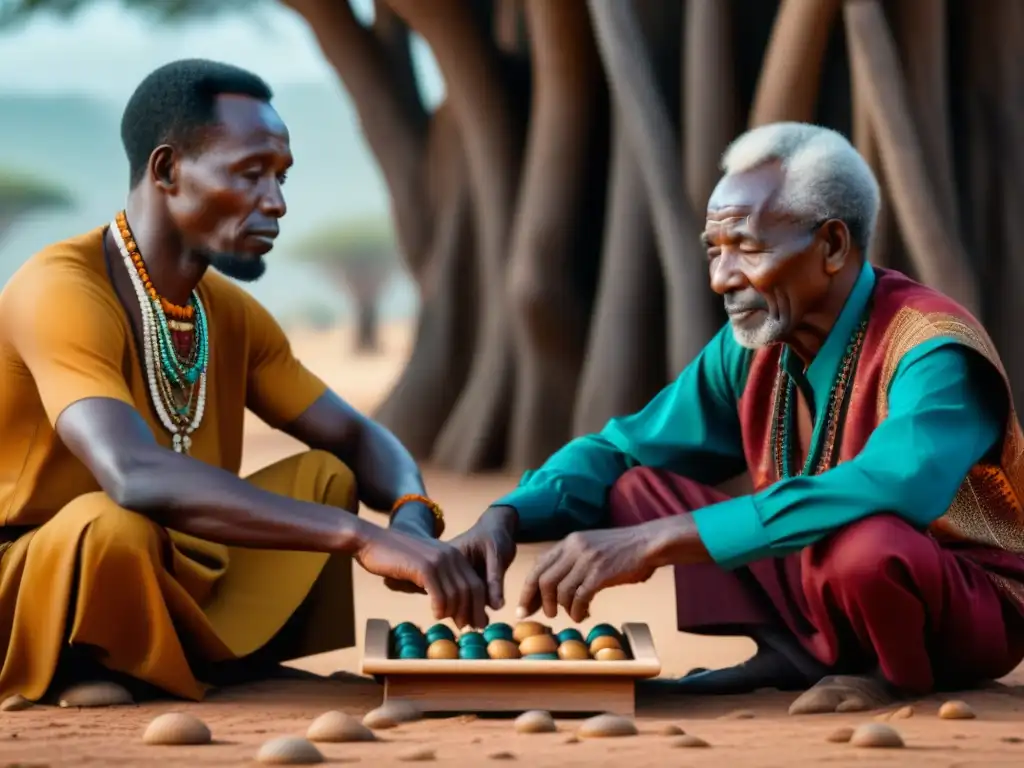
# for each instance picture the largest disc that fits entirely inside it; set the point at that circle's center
(176, 729)
(606, 726)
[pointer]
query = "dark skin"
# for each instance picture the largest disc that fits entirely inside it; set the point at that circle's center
(767, 265)
(225, 198)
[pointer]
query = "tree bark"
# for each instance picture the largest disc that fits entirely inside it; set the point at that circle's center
(548, 317)
(921, 38)
(474, 438)
(790, 78)
(709, 96)
(625, 361)
(938, 255)
(367, 337)
(648, 126)
(377, 74)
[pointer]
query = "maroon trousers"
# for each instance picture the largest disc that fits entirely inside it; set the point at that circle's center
(877, 594)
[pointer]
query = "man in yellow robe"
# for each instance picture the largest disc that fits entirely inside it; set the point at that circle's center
(129, 545)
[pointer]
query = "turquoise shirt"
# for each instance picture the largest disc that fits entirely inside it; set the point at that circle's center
(942, 420)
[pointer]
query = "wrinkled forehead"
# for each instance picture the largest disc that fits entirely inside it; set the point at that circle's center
(746, 202)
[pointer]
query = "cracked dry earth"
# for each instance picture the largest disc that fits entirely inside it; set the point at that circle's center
(741, 731)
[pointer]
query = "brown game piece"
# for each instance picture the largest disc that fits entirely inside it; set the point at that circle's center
(878, 735)
(535, 721)
(689, 740)
(289, 750)
(956, 710)
(442, 649)
(607, 726)
(503, 649)
(542, 643)
(604, 641)
(525, 629)
(337, 727)
(670, 730)
(176, 729)
(610, 654)
(16, 703)
(573, 650)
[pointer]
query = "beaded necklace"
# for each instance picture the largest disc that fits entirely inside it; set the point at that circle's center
(783, 418)
(177, 381)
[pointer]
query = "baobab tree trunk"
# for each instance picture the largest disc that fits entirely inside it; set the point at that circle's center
(709, 96)
(788, 86)
(625, 361)
(935, 249)
(367, 340)
(474, 437)
(548, 315)
(648, 126)
(420, 402)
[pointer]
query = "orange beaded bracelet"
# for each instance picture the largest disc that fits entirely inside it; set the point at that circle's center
(430, 504)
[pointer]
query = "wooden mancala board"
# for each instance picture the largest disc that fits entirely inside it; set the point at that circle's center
(509, 685)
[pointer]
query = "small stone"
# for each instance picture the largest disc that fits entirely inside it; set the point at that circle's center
(101, 694)
(176, 729)
(1012, 739)
(840, 735)
(418, 755)
(739, 714)
(289, 750)
(571, 740)
(878, 735)
(606, 726)
(501, 756)
(535, 721)
(689, 740)
(16, 703)
(391, 713)
(337, 727)
(670, 730)
(956, 710)
(903, 713)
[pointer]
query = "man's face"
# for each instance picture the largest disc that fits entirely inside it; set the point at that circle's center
(227, 199)
(769, 267)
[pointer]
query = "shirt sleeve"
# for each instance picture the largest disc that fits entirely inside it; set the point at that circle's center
(942, 420)
(279, 388)
(691, 427)
(70, 337)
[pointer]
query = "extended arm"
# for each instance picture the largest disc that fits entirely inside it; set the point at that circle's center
(116, 445)
(384, 468)
(691, 428)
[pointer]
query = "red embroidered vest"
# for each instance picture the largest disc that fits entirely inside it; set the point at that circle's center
(988, 508)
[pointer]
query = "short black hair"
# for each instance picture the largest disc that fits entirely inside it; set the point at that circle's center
(175, 103)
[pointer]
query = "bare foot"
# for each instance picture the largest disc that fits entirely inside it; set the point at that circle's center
(843, 693)
(768, 668)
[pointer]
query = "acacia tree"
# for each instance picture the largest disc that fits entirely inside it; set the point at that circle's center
(564, 177)
(360, 256)
(21, 194)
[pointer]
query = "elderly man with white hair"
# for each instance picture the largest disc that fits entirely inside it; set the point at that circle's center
(879, 553)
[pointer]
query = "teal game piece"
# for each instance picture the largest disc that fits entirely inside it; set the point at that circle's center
(471, 651)
(472, 639)
(569, 634)
(497, 631)
(600, 631)
(404, 627)
(440, 632)
(541, 657)
(412, 652)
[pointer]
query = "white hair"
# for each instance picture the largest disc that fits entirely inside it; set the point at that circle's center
(825, 177)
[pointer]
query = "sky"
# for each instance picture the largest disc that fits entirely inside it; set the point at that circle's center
(89, 52)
